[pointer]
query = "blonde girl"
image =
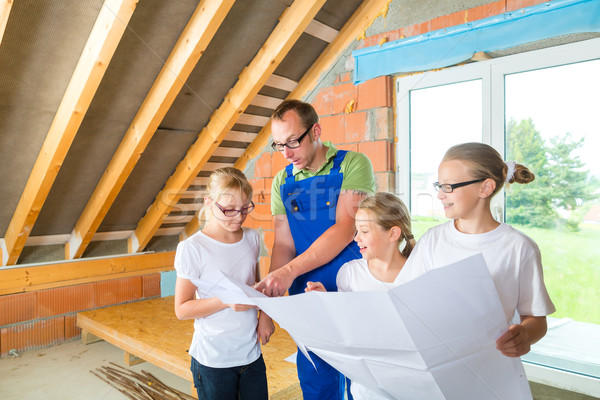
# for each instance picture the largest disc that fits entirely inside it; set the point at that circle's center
(226, 357)
(382, 228)
(469, 175)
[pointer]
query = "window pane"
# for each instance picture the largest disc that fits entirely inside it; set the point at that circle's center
(552, 122)
(440, 117)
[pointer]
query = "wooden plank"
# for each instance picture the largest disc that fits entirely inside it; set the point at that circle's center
(254, 120)
(5, 7)
(195, 38)
(228, 152)
(237, 136)
(97, 54)
(358, 22)
(281, 82)
(265, 101)
(291, 25)
(163, 341)
(36, 277)
(89, 338)
(321, 31)
(130, 359)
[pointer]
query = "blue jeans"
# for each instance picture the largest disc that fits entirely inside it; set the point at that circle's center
(322, 383)
(246, 382)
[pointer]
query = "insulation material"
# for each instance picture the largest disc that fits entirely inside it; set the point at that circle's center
(459, 43)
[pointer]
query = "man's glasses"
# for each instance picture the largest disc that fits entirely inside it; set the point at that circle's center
(292, 144)
(233, 212)
(449, 188)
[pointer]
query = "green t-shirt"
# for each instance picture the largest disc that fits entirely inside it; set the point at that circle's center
(356, 167)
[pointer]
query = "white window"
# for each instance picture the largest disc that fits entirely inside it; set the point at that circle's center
(540, 108)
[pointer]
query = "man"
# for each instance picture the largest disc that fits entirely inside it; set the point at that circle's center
(313, 202)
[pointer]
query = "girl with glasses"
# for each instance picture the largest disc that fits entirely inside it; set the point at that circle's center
(226, 357)
(470, 174)
(382, 227)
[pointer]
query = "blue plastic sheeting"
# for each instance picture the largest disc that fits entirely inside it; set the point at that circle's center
(450, 46)
(167, 283)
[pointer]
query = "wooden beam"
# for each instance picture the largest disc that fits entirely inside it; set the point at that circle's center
(29, 278)
(98, 51)
(265, 101)
(5, 6)
(291, 25)
(358, 22)
(195, 38)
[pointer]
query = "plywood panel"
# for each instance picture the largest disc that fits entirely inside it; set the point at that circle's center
(149, 330)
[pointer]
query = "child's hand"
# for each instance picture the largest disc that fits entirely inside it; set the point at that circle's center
(318, 286)
(515, 342)
(240, 307)
(265, 328)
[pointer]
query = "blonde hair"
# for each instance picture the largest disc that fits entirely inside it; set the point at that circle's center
(390, 211)
(486, 162)
(226, 179)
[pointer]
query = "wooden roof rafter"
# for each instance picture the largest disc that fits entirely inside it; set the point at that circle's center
(291, 25)
(356, 24)
(194, 40)
(93, 62)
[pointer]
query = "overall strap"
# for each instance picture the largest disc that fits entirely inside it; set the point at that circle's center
(289, 177)
(337, 161)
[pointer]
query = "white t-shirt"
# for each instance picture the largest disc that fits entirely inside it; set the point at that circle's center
(513, 259)
(226, 338)
(355, 276)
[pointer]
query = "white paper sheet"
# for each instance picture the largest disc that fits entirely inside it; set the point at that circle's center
(431, 338)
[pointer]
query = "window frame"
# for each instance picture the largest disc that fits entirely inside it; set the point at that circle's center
(491, 73)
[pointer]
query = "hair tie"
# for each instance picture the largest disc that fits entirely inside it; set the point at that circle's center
(511, 170)
(410, 237)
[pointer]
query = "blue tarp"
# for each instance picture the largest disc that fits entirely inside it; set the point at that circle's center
(450, 46)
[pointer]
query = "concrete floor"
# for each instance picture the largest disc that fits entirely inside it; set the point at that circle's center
(63, 372)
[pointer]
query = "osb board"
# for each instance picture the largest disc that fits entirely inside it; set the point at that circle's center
(149, 329)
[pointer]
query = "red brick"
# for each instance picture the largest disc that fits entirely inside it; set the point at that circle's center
(278, 162)
(260, 217)
(379, 153)
(355, 127)
(375, 92)
(485, 11)
(385, 181)
(151, 285)
(342, 95)
(117, 291)
(345, 77)
(32, 335)
(448, 21)
(71, 328)
(332, 128)
(258, 184)
(262, 168)
(322, 102)
(412, 30)
(17, 308)
(512, 5)
(383, 118)
(265, 265)
(65, 300)
(349, 147)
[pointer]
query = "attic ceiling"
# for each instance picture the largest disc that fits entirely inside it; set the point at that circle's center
(39, 52)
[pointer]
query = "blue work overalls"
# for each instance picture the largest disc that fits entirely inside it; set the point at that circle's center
(310, 206)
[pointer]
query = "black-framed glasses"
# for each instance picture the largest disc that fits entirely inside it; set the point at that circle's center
(233, 212)
(292, 144)
(449, 188)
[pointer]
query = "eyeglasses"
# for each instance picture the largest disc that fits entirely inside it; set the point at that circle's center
(449, 188)
(233, 212)
(292, 144)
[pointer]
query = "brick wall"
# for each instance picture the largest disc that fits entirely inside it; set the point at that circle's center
(47, 317)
